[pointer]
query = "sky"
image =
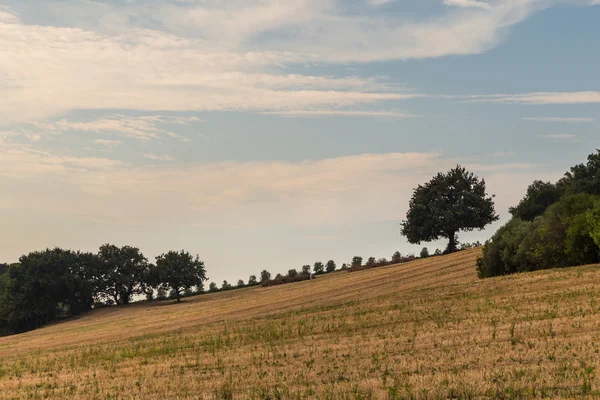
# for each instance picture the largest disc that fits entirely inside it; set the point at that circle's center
(269, 134)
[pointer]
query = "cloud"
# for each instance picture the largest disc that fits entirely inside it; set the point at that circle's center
(560, 119)
(467, 4)
(540, 98)
(157, 157)
(108, 143)
(225, 56)
(143, 128)
(340, 113)
(561, 137)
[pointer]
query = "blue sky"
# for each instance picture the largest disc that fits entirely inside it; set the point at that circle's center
(271, 134)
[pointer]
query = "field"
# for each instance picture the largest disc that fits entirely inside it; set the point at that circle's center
(424, 330)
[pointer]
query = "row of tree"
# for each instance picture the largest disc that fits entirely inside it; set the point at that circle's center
(555, 225)
(50, 284)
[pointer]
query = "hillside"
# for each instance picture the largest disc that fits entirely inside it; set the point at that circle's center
(425, 329)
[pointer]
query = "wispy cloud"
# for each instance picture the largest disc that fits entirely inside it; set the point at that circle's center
(560, 119)
(540, 98)
(468, 3)
(344, 113)
(108, 143)
(560, 137)
(157, 157)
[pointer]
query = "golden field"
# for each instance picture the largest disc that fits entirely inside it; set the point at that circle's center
(428, 329)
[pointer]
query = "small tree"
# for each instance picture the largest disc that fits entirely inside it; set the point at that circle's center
(424, 253)
(252, 280)
(292, 273)
(437, 252)
(212, 288)
(226, 286)
(265, 276)
(344, 267)
(447, 204)
(318, 268)
(180, 271)
(356, 261)
(397, 257)
(382, 261)
(306, 269)
(240, 284)
(330, 266)
(370, 262)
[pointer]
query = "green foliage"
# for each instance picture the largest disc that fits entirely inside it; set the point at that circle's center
(330, 266)
(424, 253)
(179, 271)
(292, 273)
(540, 195)
(371, 262)
(240, 284)
(396, 257)
(212, 288)
(318, 268)
(124, 272)
(226, 286)
(357, 261)
(306, 269)
(593, 219)
(448, 203)
(252, 281)
(265, 276)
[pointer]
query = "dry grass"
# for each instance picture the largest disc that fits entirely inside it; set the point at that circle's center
(427, 330)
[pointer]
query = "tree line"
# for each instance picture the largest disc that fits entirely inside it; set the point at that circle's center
(46, 285)
(555, 225)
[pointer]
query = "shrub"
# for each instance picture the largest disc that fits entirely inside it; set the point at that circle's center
(424, 253)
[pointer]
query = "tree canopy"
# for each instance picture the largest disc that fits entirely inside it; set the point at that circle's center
(449, 203)
(180, 271)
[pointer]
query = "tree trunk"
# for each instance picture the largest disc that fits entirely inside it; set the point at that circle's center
(178, 296)
(452, 243)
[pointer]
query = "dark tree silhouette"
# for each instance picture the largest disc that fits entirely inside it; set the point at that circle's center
(252, 281)
(330, 266)
(125, 271)
(357, 261)
(447, 204)
(179, 271)
(265, 276)
(318, 268)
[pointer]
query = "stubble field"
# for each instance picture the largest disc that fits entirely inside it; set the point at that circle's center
(422, 330)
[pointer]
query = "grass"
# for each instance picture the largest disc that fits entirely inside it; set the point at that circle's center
(423, 330)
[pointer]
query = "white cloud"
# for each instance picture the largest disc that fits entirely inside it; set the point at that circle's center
(560, 137)
(157, 157)
(468, 3)
(344, 113)
(560, 119)
(540, 98)
(108, 143)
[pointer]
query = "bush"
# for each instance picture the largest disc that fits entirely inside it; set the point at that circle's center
(282, 280)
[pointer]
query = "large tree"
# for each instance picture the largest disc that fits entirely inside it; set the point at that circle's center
(179, 271)
(447, 204)
(125, 271)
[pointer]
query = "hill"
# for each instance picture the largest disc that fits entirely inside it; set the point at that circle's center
(425, 329)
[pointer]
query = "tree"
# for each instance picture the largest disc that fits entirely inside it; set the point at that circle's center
(593, 219)
(124, 272)
(292, 273)
(212, 288)
(240, 284)
(370, 262)
(252, 280)
(344, 267)
(356, 261)
(306, 269)
(226, 286)
(540, 195)
(447, 204)
(585, 178)
(330, 266)
(318, 268)
(161, 294)
(180, 271)
(424, 253)
(396, 257)
(437, 252)
(265, 276)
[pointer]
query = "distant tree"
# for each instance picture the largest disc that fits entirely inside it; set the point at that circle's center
(4, 268)
(180, 271)
(278, 277)
(124, 272)
(584, 178)
(540, 195)
(318, 268)
(344, 267)
(447, 204)
(397, 257)
(292, 273)
(212, 288)
(252, 281)
(265, 276)
(330, 266)
(226, 286)
(437, 252)
(357, 261)
(424, 253)
(306, 269)
(240, 284)
(382, 261)
(370, 262)
(199, 289)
